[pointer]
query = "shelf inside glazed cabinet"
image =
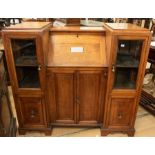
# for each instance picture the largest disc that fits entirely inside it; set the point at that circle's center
(126, 61)
(129, 85)
(26, 61)
(24, 45)
(125, 78)
(24, 52)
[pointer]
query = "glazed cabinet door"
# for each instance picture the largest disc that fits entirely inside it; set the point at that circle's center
(89, 96)
(127, 63)
(61, 95)
(25, 61)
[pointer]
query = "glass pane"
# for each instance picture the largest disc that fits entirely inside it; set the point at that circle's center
(126, 78)
(28, 77)
(24, 52)
(127, 63)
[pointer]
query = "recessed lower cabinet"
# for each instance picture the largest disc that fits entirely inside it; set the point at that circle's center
(76, 97)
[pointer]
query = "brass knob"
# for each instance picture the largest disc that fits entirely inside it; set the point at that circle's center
(120, 116)
(113, 68)
(32, 113)
(105, 73)
(78, 101)
(39, 67)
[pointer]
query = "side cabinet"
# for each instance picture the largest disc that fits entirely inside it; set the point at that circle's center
(76, 96)
(128, 55)
(25, 52)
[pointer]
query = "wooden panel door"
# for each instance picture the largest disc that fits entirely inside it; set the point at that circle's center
(61, 95)
(32, 112)
(89, 97)
(120, 112)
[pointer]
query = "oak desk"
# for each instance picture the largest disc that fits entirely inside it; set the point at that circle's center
(76, 76)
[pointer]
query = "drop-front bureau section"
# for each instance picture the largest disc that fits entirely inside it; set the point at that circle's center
(76, 76)
(77, 49)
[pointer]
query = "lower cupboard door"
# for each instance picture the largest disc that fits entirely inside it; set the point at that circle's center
(120, 112)
(32, 112)
(63, 105)
(88, 97)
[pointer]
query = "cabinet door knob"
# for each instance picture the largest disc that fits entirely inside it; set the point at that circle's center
(77, 100)
(105, 74)
(32, 113)
(113, 68)
(120, 116)
(39, 67)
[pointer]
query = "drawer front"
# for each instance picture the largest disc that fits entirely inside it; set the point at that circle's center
(32, 111)
(120, 112)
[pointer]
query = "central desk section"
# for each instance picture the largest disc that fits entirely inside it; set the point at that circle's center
(76, 76)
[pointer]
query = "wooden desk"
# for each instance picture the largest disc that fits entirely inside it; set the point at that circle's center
(72, 76)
